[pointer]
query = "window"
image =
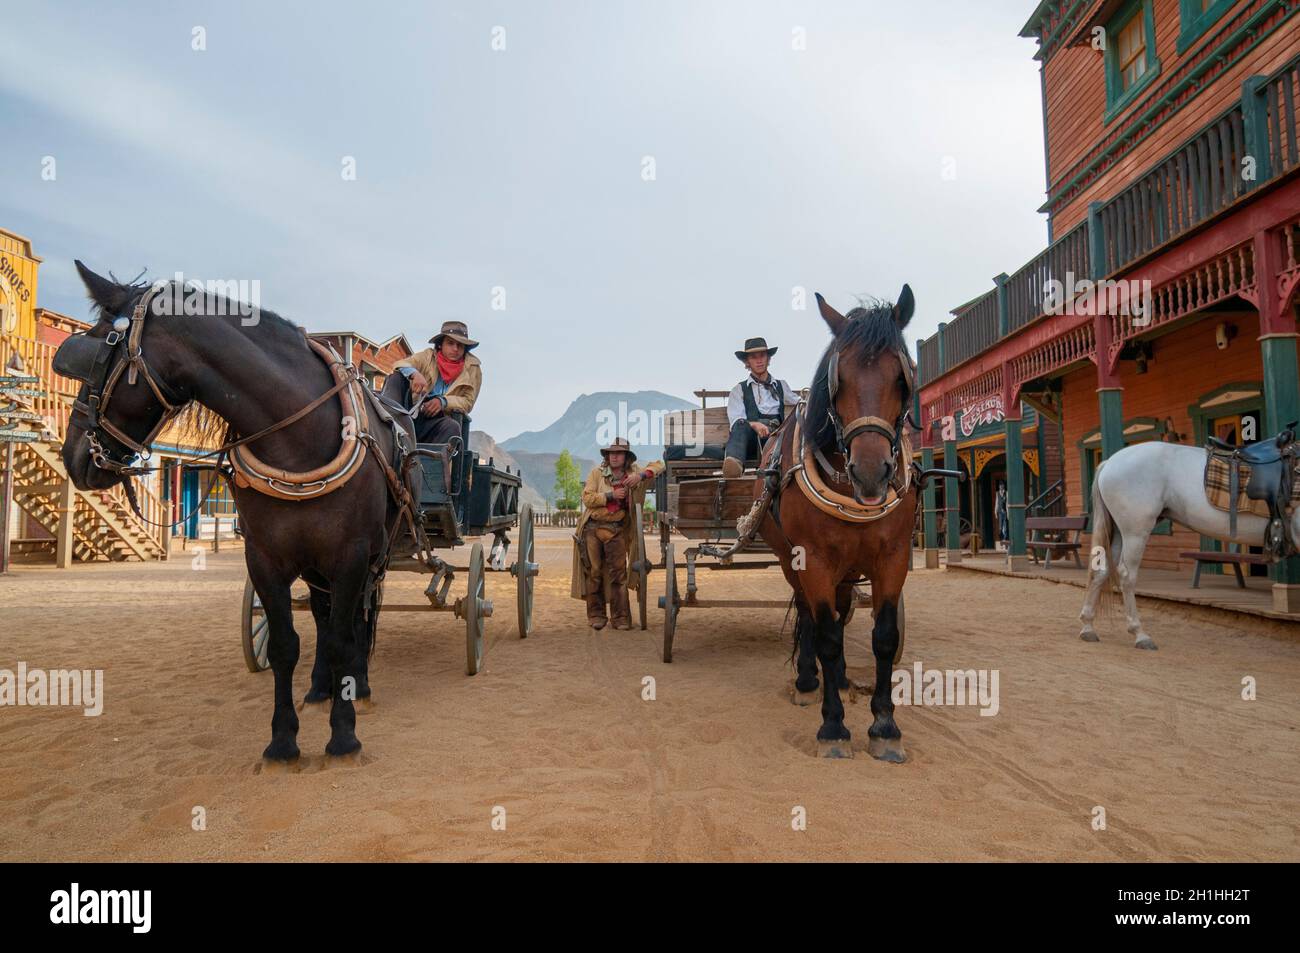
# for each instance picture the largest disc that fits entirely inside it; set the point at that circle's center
(1196, 17)
(1131, 62)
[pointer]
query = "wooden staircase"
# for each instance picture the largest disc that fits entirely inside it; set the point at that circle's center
(103, 525)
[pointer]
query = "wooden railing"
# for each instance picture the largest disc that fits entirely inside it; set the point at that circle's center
(1253, 142)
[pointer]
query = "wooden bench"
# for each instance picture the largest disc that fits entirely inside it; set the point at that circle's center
(1048, 533)
(1233, 558)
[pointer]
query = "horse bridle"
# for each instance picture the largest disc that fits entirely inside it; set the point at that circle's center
(844, 433)
(99, 363)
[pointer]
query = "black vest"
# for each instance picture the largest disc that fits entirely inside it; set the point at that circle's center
(751, 405)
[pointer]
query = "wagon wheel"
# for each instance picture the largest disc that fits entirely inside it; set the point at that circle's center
(525, 569)
(669, 603)
(475, 608)
(254, 631)
(641, 567)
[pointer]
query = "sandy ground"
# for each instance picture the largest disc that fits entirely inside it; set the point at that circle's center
(556, 732)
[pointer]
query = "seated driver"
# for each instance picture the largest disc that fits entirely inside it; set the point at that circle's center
(438, 383)
(755, 407)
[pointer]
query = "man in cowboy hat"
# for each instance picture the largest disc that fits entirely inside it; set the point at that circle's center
(755, 407)
(606, 535)
(438, 383)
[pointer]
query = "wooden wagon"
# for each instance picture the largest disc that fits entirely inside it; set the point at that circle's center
(461, 498)
(696, 501)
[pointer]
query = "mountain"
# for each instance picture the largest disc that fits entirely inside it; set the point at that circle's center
(539, 471)
(482, 444)
(596, 417)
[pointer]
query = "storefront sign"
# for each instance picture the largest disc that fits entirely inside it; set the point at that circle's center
(985, 411)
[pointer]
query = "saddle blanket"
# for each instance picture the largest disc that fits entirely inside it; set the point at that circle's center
(1218, 475)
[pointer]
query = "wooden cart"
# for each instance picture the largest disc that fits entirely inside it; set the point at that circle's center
(461, 498)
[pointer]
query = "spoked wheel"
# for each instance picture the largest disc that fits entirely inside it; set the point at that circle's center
(669, 601)
(641, 567)
(255, 631)
(475, 608)
(525, 570)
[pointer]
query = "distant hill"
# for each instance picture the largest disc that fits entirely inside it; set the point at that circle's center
(539, 471)
(488, 449)
(608, 413)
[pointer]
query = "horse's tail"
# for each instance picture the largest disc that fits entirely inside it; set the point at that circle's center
(1105, 536)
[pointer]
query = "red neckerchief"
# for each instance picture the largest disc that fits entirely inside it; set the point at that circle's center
(448, 369)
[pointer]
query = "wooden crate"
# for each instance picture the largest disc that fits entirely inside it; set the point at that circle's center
(695, 427)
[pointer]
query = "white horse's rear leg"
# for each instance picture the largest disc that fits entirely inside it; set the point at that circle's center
(1096, 579)
(1129, 561)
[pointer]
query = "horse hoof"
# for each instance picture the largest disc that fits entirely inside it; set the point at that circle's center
(838, 748)
(282, 752)
(338, 747)
(1089, 636)
(804, 699)
(1145, 643)
(887, 749)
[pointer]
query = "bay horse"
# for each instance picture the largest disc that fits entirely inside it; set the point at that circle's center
(250, 379)
(825, 540)
(1133, 491)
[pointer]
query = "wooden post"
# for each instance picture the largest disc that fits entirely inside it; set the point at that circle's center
(7, 500)
(1254, 116)
(930, 516)
(951, 500)
(1004, 305)
(67, 514)
(1016, 549)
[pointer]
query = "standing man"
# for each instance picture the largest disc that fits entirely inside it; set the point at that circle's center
(1000, 513)
(606, 535)
(438, 383)
(755, 407)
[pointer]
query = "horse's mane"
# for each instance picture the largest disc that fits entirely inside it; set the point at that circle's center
(195, 422)
(870, 330)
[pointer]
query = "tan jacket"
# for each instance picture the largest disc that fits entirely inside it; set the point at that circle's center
(462, 392)
(593, 508)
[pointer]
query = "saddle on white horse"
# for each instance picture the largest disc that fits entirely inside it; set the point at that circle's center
(1260, 478)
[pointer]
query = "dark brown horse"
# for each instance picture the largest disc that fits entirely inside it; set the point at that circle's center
(250, 376)
(852, 430)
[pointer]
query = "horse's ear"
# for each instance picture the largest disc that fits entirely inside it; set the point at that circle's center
(107, 294)
(833, 318)
(906, 305)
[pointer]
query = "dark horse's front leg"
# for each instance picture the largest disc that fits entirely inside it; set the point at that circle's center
(343, 647)
(886, 741)
(320, 689)
(833, 738)
(282, 652)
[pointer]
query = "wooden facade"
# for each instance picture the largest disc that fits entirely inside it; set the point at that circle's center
(1173, 178)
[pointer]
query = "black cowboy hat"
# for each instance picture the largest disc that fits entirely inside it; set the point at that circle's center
(618, 444)
(753, 346)
(457, 331)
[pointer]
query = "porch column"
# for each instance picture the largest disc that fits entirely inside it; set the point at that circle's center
(1017, 558)
(1277, 342)
(951, 497)
(1110, 395)
(930, 511)
(67, 514)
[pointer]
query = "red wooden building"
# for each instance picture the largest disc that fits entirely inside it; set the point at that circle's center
(1164, 306)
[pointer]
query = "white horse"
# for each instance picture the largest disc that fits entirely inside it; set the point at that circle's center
(1134, 490)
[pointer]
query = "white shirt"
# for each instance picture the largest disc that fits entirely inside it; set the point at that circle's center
(764, 398)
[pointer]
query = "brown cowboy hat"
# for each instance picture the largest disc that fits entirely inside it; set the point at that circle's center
(753, 346)
(457, 331)
(618, 444)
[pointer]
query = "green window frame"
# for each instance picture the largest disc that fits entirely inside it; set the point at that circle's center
(1193, 21)
(1117, 98)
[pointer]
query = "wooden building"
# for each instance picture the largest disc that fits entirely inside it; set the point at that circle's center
(1164, 305)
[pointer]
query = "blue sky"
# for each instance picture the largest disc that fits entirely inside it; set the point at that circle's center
(522, 169)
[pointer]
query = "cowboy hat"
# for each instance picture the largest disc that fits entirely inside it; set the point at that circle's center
(457, 331)
(754, 345)
(618, 444)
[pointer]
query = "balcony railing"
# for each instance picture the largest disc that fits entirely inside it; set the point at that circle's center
(1252, 143)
